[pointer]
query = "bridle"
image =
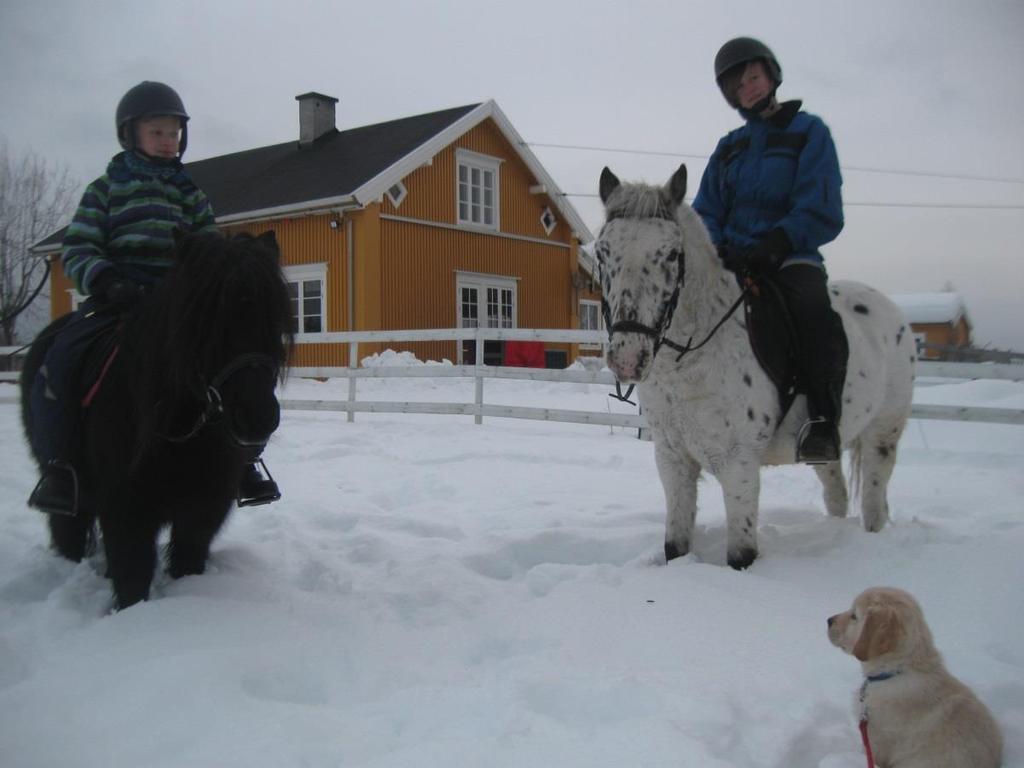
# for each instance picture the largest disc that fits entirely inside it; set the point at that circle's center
(668, 309)
(657, 333)
(213, 411)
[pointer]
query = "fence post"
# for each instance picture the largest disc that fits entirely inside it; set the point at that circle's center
(478, 418)
(353, 358)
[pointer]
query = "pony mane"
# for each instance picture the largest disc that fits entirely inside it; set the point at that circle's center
(222, 293)
(639, 201)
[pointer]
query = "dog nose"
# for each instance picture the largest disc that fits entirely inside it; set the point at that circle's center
(830, 620)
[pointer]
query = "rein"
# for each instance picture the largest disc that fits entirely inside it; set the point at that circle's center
(689, 346)
(213, 410)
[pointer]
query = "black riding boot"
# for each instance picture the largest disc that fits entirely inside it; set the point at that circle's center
(257, 486)
(818, 441)
(56, 493)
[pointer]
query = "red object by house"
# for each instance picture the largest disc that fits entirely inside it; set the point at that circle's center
(524, 354)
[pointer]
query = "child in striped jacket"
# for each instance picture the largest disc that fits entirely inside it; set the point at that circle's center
(117, 248)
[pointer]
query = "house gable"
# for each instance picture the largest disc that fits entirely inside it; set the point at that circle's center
(431, 189)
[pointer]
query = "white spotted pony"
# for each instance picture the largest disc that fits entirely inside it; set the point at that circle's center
(709, 403)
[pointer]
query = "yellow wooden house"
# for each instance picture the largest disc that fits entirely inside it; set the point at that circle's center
(439, 220)
(938, 321)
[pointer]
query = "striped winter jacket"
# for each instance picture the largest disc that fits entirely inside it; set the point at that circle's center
(780, 172)
(128, 217)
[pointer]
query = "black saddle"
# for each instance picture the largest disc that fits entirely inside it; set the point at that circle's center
(773, 338)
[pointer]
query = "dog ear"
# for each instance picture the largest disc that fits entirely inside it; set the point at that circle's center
(882, 633)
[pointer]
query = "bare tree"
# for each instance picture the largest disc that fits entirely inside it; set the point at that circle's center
(36, 198)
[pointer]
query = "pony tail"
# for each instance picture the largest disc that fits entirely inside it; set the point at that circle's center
(856, 467)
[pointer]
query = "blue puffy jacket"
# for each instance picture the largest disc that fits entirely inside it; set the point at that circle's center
(776, 173)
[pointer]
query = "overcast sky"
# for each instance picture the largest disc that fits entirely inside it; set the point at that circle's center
(927, 87)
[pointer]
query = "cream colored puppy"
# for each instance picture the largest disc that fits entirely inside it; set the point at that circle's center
(915, 714)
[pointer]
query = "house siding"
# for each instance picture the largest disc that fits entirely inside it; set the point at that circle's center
(311, 240)
(942, 335)
(419, 273)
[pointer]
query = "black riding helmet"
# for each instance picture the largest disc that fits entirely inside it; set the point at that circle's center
(149, 99)
(741, 50)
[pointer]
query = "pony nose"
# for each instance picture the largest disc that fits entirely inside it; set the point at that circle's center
(626, 362)
(253, 425)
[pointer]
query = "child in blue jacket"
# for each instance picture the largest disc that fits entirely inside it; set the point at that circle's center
(770, 198)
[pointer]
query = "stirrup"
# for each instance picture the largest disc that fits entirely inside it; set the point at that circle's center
(258, 492)
(52, 499)
(821, 453)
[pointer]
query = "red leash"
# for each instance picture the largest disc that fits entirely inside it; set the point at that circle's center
(103, 374)
(876, 678)
(867, 742)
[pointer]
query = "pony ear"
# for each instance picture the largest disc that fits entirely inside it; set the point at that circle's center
(882, 633)
(269, 238)
(608, 184)
(677, 185)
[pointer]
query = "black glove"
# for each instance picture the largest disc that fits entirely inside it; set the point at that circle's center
(769, 252)
(115, 289)
(733, 259)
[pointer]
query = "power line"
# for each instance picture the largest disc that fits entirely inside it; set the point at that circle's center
(854, 168)
(846, 204)
(613, 149)
(958, 206)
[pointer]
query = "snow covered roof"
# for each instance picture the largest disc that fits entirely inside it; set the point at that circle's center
(947, 307)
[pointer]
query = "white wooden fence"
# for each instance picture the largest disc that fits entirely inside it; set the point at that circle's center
(479, 409)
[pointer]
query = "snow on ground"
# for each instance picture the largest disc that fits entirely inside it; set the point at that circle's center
(434, 593)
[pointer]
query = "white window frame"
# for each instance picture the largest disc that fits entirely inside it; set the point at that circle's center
(300, 273)
(482, 164)
(600, 320)
(548, 215)
(397, 198)
(481, 282)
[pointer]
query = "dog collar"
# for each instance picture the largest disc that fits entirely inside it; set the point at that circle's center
(881, 676)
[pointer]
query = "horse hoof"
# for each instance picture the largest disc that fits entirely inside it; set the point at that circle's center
(743, 560)
(179, 570)
(672, 551)
(126, 597)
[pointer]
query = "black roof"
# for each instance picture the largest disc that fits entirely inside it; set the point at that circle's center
(335, 165)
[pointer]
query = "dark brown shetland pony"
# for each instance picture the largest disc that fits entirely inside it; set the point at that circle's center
(186, 402)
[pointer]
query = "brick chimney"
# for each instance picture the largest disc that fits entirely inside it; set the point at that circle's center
(316, 116)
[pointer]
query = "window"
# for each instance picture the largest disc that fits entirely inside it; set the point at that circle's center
(920, 340)
(590, 315)
(477, 192)
(306, 288)
(396, 193)
(590, 319)
(548, 221)
(487, 301)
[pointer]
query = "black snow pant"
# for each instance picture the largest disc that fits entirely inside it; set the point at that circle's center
(821, 343)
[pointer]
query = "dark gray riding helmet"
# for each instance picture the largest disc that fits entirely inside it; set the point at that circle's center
(740, 50)
(149, 99)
